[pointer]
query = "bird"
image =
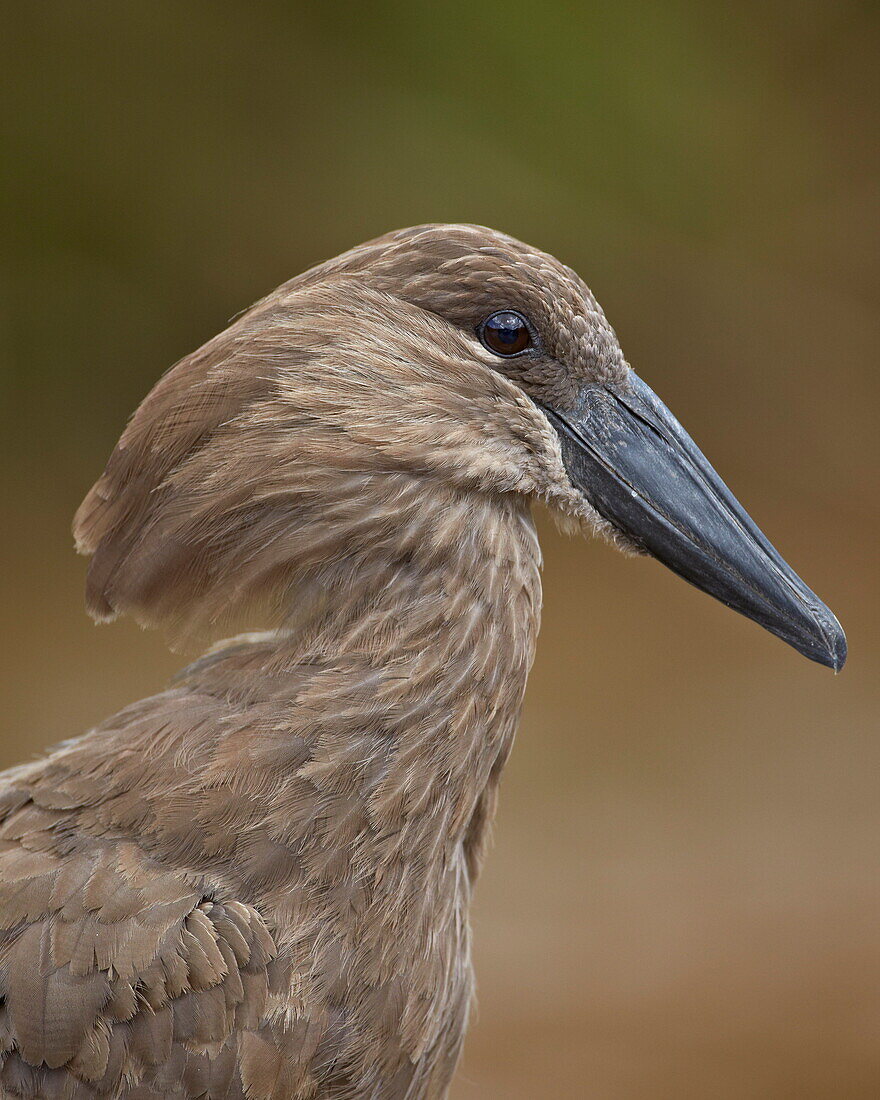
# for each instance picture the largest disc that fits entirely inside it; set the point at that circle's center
(255, 884)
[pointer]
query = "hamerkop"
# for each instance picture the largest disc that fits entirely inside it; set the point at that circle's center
(256, 884)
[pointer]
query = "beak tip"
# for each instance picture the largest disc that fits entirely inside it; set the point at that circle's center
(839, 650)
(833, 649)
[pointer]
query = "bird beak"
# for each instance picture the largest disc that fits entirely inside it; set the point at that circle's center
(642, 472)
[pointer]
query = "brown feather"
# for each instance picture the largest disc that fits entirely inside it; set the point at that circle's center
(256, 884)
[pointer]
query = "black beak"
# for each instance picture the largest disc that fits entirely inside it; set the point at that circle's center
(643, 473)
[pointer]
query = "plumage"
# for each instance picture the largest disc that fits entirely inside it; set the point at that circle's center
(256, 883)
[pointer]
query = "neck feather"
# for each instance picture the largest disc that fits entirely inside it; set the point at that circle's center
(406, 662)
(362, 741)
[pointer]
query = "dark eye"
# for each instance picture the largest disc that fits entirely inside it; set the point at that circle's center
(506, 333)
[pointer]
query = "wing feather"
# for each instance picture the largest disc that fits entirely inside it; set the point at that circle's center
(118, 977)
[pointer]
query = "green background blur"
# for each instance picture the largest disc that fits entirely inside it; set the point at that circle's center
(684, 898)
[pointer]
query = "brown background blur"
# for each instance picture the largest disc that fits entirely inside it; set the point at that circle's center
(684, 898)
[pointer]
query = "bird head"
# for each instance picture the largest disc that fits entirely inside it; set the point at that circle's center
(429, 367)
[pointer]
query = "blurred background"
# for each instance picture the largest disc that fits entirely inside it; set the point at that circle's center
(684, 897)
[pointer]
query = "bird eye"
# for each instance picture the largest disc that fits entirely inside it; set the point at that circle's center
(506, 333)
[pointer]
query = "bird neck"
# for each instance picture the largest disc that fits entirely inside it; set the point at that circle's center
(354, 754)
(401, 671)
